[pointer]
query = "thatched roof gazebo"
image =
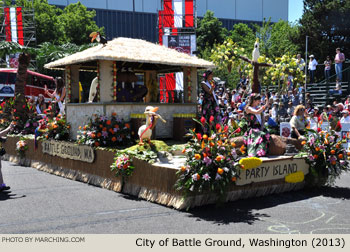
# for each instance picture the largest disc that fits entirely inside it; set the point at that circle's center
(142, 57)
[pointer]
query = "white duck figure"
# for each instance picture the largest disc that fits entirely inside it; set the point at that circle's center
(145, 131)
(256, 53)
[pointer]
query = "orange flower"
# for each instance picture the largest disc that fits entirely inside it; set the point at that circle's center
(211, 144)
(220, 171)
(97, 144)
(184, 150)
(326, 141)
(46, 136)
(116, 126)
(317, 149)
(114, 139)
(79, 127)
(109, 122)
(333, 162)
(219, 142)
(197, 156)
(203, 145)
(233, 144)
(205, 154)
(99, 134)
(340, 156)
(327, 135)
(218, 158)
(101, 126)
(242, 149)
(233, 179)
(127, 125)
(93, 135)
(209, 138)
(242, 166)
(332, 152)
(183, 168)
(303, 142)
(111, 131)
(315, 156)
(85, 127)
(348, 153)
(205, 137)
(114, 114)
(198, 176)
(337, 146)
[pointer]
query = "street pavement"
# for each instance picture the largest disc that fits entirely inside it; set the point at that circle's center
(44, 203)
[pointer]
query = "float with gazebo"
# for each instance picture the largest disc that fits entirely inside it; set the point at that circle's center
(165, 174)
(136, 56)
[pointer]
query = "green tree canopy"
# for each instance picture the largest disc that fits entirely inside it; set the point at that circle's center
(77, 23)
(327, 24)
(209, 32)
(73, 24)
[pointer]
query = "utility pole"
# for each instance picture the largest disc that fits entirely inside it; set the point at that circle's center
(306, 65)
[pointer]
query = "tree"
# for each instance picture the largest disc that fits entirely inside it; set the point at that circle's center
(243, 36)
(209, 32)
(327, 24)
(276, 38)
(48, 27)
(77, 23)
(73, 24)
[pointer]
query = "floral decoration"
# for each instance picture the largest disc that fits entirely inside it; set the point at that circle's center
(105, 131)
(326, 156)
(122, 165)
(21, 147)
(211, 163)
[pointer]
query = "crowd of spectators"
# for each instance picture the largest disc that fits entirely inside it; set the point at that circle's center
(281, 106)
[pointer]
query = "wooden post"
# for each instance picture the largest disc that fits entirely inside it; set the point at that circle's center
(74, 71)
(106, 81)
(151, 83)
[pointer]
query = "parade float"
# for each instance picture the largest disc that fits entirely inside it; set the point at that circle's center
(203, 170)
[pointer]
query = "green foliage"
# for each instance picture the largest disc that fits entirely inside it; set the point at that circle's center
(209, 32)
(243, 36)
(327, 25)
(77, 23)
(73, 24)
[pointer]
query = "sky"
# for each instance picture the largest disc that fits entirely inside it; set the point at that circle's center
(295, 10)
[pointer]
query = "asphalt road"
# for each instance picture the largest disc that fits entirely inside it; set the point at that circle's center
(43, 203)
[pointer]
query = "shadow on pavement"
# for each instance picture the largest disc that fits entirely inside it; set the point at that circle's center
(8, 195)
(245, 210)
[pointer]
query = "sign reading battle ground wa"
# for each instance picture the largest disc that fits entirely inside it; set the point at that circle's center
(69, 150)
(271, 169)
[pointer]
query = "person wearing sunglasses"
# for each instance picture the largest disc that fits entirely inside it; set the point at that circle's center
(298, 123)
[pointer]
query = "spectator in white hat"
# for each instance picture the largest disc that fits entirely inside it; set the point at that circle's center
(312, 67)
(346, 117)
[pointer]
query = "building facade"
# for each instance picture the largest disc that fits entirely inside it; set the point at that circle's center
(138, 18)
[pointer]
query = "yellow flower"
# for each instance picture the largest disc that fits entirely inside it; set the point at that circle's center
(295, 177)
(250, 162)
(197, 156)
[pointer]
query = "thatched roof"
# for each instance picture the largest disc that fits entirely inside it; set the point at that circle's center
(137, 52)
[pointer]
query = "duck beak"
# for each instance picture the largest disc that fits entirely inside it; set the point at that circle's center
(155, 109)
